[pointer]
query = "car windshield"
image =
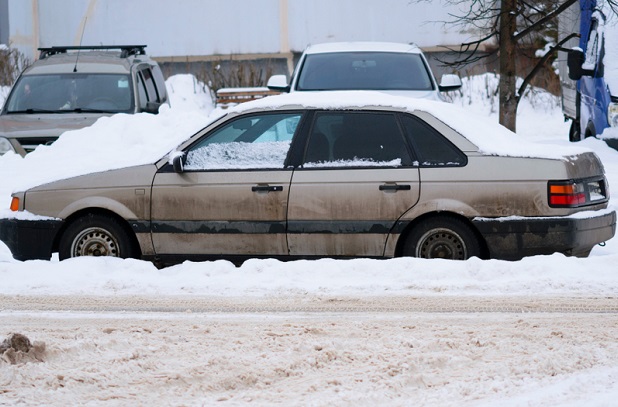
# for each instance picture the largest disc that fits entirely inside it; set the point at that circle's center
(364, 71)
(78, 92)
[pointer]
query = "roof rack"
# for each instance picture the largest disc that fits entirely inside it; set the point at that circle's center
(126, 50)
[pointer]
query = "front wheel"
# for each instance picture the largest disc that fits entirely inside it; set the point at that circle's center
(96, 235)
(442, 238)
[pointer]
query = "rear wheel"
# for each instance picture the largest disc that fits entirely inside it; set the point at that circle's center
(442, 238)
(96, 235)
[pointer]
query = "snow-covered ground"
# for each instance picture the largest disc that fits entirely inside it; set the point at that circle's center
(544, 380)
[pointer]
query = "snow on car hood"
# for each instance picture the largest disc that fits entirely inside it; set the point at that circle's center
(490, 138)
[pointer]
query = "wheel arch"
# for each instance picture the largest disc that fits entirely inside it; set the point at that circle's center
(97, 211)
(436, 215)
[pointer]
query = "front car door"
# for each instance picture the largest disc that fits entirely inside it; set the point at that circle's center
(231, 198)
(356, 179)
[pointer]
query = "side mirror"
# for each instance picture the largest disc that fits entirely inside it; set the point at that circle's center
(278, 83)
(449, 82)
(575, 61)
(178, 164)
(152, 107)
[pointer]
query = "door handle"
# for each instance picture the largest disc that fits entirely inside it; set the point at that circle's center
(267, 188)
(395, 187)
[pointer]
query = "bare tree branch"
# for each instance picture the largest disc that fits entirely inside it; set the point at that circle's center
(469, 47)
(540, 63)
(542, 21)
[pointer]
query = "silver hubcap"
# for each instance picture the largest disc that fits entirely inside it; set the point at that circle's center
(95, 242)
(441, 244)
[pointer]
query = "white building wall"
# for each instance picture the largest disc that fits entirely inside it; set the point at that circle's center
(197, 28)
(317, 21)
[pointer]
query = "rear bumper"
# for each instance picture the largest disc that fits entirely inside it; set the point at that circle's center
(514, 238)
(29, 239)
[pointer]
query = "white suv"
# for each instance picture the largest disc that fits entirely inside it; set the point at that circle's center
(398, 69)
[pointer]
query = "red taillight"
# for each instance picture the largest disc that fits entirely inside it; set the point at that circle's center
(15, 204)
(567, 200)
(566, 194)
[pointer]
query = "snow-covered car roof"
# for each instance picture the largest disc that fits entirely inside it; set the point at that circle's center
(358, 46)
(490, 138)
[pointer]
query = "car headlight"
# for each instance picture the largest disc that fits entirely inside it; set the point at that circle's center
(5, 146)
(612, 114)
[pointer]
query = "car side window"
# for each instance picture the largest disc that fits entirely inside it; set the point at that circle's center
(355, 139)
(151, 89)
(159, 82)
(432, 148)
(141, 90)
(249, 142)
(593, 46)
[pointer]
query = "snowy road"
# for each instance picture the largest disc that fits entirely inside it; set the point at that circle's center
(326, 356)
(310, 303)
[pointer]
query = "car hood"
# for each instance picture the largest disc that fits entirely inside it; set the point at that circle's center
(44, 125)
(417, 94)
(135, 176)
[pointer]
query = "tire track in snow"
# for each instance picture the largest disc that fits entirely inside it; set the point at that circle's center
(442, 304)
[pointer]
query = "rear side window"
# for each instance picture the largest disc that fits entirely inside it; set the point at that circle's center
(355, 139)
(432, 148)
(149, 87)
(159, 82)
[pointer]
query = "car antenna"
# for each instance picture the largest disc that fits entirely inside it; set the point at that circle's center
(80, 43)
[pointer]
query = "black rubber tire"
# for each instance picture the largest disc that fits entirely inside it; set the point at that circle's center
(96, 235)
(442, 238)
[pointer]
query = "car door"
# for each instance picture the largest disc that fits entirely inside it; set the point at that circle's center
(356, 179)
(231, 198)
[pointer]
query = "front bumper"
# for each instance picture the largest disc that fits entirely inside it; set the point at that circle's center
(514, 238)
(29, 239)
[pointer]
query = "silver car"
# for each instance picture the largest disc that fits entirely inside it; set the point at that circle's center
(71, 87)
(279, 178)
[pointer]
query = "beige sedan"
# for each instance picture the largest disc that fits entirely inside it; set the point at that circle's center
(279, 179)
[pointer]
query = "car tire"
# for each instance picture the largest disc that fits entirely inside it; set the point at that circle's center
(442, 238)
(96, 235)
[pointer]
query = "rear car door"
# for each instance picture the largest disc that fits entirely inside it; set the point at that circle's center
(231, 198)
(355, 181)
